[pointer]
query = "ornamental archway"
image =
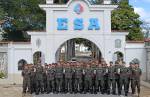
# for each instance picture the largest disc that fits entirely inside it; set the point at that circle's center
(78, 49)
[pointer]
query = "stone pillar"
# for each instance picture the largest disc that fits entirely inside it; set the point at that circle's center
(70, 49)
(148, 63)
(107, 1)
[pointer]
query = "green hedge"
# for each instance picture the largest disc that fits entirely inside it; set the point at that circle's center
(2, 75)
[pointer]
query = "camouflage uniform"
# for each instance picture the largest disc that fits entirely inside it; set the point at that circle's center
(39, 79)
(68, 79)
(117, 76)
(26, 80)
(93, 76)
(124, 80)
(78, 79)
(106, 84)
(50, 80)
(45, 77)
(100, 79)
(32, 79)
(59, 78)
(87, 79)
(135, 81)
(111, 79)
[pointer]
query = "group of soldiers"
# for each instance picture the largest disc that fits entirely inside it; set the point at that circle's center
(82, 77)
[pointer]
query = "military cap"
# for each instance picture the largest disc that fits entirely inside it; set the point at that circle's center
(136, 61)
(131, 63)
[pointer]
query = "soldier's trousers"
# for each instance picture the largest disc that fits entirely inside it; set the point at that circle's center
(33, 85)
(39, 86)
(112, 84)
(93, 86)
(106, 85)
(135, 84)
(26, 85)
(50, 86)
(87, 85)
(68, 84)
(118, 85)
(78, 84)
(45, 84)
(123, 82)
(128, 85)
(59, 84)
(100, 85)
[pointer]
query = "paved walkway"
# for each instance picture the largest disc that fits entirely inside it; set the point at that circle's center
(16, 91)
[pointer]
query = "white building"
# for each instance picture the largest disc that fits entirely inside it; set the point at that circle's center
(76, 19)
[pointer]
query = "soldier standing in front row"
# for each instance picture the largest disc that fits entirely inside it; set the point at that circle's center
(117, 75)
(111, 79)
(68, 78)
(123, 79)
(32, 78)
(45, 69)
(59, 77)
(78, 78)
(50, 79)
(88, 78)
(26, 79)
(39, 79)
(100, 79)
(136, 73)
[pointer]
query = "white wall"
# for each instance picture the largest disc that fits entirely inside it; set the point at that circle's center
(16, 52)
(136, 50)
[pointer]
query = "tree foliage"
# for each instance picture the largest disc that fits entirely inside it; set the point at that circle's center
(22, 15)
(124, 18)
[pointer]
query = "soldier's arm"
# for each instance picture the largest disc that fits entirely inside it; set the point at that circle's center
(22, 73)
(140, 72)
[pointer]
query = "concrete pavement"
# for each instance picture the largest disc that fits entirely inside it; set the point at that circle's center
(16, 91)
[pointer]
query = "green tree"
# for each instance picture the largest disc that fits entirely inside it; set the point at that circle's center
(124, 18)
(22, 15)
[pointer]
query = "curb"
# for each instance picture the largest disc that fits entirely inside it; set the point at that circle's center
(146, 84)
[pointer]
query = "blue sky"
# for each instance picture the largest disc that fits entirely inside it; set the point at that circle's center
(142, 7)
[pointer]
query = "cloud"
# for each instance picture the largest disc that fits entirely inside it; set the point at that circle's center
(144, 15)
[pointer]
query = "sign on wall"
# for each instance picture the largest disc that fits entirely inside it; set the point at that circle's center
(78, 23)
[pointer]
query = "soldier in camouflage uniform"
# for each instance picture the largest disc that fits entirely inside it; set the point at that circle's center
(32, 79)
(59, 77)
(106, 84)
(136, 74)
(26, 79)
(93, 76)
(100, 79)
(39, 79)
(78, 78)
(73, 76)
(111, 79)
(45, 76)
(129, 73)
(87, 79)
(50, 78)
(117, 75)
(123, 79)
(68, 78)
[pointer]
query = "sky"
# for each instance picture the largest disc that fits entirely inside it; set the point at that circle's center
(142, 7)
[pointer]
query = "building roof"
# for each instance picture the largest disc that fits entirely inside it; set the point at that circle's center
(135, 41)
(20, 42)
(119, 31)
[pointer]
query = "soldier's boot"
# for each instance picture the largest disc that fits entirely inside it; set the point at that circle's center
(119, 92)
(126, 93)
(102, 91)
(37, 91)
(114, 92)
